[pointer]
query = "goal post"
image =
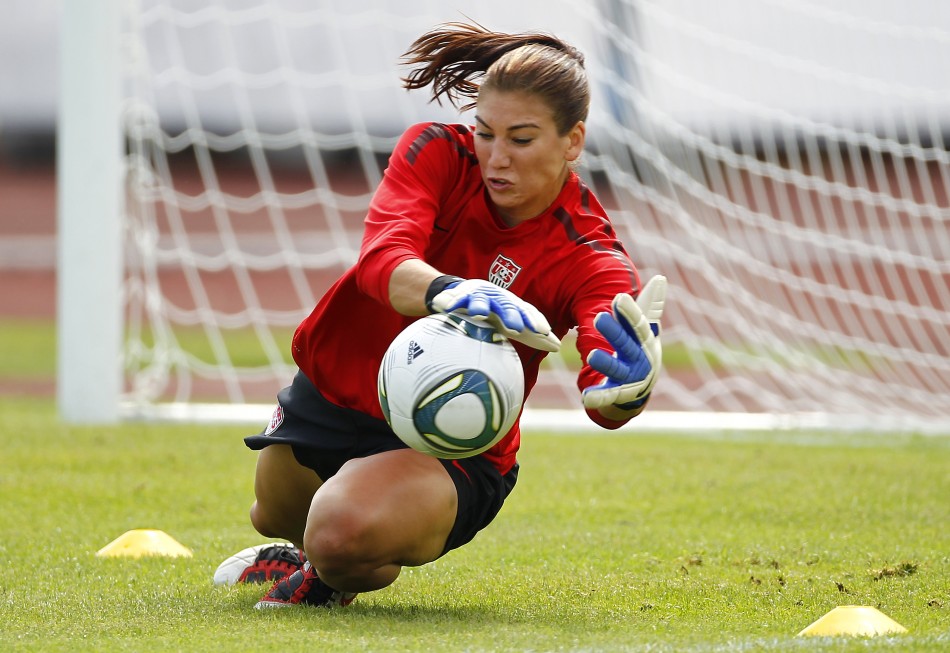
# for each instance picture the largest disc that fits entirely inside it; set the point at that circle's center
(89, 206)
(791, 182)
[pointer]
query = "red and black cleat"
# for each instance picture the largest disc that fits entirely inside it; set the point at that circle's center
(304, 587)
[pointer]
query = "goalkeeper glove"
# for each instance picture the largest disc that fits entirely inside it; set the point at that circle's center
(633, 329)
(507, 313)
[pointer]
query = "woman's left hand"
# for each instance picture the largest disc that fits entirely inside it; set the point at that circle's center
(633, 329)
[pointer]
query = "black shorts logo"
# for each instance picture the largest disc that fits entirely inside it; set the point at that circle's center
(276, 420)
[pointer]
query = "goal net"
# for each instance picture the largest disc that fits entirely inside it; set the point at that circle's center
(784, 163)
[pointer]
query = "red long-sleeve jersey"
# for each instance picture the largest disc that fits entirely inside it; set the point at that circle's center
(432, 205)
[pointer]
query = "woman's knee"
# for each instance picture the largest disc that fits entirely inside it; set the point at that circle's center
(390, 508)
(337, 537)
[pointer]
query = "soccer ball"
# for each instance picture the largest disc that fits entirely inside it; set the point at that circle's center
(450, 386)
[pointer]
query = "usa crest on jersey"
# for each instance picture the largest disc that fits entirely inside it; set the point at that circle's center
(503, 271)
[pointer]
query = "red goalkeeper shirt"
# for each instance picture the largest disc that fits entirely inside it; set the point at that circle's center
(432, 205)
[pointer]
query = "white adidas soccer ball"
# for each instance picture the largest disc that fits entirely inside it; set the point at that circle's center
(451, 386)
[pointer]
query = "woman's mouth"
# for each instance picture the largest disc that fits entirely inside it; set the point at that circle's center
(497, 183)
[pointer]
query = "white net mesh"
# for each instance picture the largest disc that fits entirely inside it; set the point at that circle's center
(784, 164)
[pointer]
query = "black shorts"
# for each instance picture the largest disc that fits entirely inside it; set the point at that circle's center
(323, 436)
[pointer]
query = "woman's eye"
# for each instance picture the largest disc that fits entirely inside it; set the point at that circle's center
(485, 136)
(521, 141)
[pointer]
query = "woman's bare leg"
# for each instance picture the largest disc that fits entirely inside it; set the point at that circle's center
(377, 514)
(283, 489)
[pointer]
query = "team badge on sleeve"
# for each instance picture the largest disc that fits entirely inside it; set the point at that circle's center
(503, 271)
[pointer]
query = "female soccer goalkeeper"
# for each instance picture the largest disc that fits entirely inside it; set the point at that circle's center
(490, 220)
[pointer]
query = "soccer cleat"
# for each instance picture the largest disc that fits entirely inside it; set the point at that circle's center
(263, 563)
(303, 587)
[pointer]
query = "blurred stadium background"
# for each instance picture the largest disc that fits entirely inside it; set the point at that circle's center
(784, 163)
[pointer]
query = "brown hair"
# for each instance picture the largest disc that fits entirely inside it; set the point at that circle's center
(453, 55)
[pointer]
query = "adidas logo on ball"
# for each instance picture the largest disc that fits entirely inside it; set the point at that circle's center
(414, 351)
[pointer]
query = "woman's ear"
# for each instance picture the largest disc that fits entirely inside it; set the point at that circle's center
(576, 137)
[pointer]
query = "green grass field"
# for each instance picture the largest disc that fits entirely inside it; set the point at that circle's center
(609, 543)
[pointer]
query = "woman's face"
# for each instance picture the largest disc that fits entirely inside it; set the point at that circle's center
(524, 161)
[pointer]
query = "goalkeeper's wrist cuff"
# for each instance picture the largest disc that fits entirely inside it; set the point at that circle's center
(438, 285)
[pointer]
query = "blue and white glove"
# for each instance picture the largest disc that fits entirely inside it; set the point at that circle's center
(633, 329)
(503, 310)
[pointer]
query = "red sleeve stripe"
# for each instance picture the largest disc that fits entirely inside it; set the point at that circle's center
(434, 132)
(614, 249)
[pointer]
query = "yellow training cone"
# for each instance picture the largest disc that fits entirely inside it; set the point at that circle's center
(853, 620)
(143, 542)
